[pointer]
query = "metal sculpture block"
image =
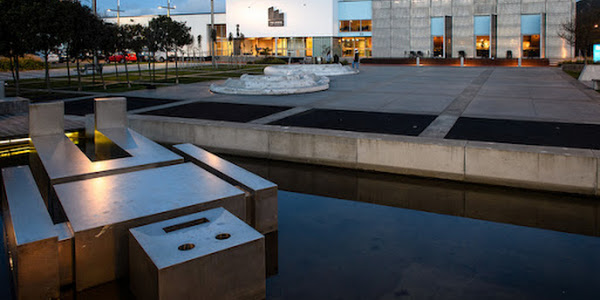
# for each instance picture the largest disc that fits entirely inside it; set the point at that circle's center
(262, 194)
(207, 255)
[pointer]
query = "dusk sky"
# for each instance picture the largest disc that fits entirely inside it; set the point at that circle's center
(147, 7)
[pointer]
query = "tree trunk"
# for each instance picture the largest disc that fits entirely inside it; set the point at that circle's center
(17, 86)
(47, 70)
(176, 69)
(79, 87)
(68, 70)
(12, 68)
(150, 68)
(167, 66)
(139, 68)
(102, 78)
(116, 70)
(127, 75)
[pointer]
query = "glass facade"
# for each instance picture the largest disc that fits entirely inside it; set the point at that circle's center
(355, 26)
(363, 44)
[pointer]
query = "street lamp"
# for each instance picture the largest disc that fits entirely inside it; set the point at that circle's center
(168, 7)
(212, 28)
(118, 11)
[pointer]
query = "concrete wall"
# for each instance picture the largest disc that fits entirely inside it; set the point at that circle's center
(308, 18)
(401, 26)
(543, 168)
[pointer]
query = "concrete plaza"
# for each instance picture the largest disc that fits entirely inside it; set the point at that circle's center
(537, 94)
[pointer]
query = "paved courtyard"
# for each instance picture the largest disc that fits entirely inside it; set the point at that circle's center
(498, 104)
(446, 95)
(545, 94)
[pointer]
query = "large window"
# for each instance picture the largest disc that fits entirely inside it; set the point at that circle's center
(222, 46)
(363, 44)
(530, 30)
(482, 36)
(437, 34)
(355, 26)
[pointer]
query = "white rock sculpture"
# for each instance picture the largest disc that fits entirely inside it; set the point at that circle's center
(319, 70)
(272, 85)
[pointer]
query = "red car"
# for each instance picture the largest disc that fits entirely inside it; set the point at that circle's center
(121, 58)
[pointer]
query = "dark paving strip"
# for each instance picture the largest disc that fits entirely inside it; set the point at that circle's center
(568, 135)
(49, 96)
(86, 106)
(232, 112)
(361, 121)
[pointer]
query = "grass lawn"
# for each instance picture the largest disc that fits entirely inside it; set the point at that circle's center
(36, 89)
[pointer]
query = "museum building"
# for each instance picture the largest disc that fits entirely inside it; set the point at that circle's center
(386, 28)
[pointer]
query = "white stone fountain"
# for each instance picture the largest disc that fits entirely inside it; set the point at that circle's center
(295, 83)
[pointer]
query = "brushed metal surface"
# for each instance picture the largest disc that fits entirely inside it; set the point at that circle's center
(110, 112)
(30, 219)
(212, 269)
(101, 210)
(46, 118)
(31, 238)
(64, 161)
(65, 253)
(262, 201)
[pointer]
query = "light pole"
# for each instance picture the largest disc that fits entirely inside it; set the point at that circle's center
(212, 29)
(118, 11)
(168, 8)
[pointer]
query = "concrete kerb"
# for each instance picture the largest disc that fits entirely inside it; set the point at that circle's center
(534, 167)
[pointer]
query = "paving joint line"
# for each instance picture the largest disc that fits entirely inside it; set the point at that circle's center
(440, 127)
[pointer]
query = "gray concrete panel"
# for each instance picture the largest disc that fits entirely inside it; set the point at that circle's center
(213, 268)
(100, 221)
(46, 118)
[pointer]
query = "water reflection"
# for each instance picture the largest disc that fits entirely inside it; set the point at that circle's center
(554, 211)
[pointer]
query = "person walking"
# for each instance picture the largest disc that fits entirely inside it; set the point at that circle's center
(356, 59)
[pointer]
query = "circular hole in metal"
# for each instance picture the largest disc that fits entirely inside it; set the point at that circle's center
(185, 247)
(223, 236)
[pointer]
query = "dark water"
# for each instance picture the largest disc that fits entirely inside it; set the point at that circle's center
(397, 237)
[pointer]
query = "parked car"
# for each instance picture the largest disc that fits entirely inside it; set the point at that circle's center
(52, 58)
(119, 57)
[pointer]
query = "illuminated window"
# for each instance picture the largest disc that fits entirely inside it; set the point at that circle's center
(437, 34)
(344, 26)
(356, 26)
(363, 44)
(531, 45)
(530, 30)
(365, 25)
(482, 36)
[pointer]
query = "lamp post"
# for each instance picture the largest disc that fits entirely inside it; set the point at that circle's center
(118, 11)
(168, 8)
(212, 28)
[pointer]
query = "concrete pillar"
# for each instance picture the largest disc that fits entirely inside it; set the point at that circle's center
(2, 92)
(46, 118)
(110, 112)
(418, 61)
